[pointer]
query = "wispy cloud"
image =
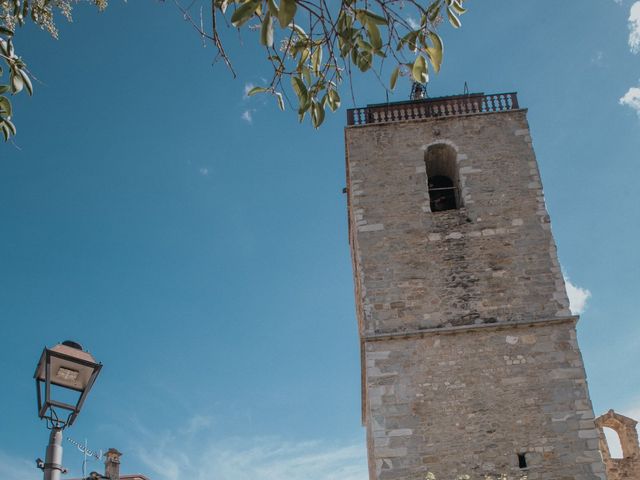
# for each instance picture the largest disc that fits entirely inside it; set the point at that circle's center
(598, 58)
(204, 171)
(634, 27)
(247, 116)
(197, 423)
(172, 456)
(632, 99)
(13, 468)
(578, 297)
(413, 23)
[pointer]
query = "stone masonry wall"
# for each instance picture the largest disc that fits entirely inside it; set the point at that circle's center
(470, 402)
(469, 349)
(493, 260)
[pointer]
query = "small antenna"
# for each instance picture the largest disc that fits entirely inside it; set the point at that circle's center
(466, 88)
(86, 453)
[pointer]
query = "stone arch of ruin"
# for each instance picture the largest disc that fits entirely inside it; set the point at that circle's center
(627, 467)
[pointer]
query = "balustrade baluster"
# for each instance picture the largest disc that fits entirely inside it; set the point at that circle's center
(442, 107)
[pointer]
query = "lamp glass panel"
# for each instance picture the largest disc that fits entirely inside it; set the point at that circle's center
(66, 373)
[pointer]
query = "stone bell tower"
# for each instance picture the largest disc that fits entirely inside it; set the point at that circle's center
(470, 363)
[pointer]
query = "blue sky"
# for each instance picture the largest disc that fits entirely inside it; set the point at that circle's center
(195, 240)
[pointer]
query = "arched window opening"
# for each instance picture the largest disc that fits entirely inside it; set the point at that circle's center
(613, 442)
(442, 177)
(442, 193)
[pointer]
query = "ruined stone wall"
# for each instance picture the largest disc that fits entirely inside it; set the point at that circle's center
(469, 350)
(627, 467)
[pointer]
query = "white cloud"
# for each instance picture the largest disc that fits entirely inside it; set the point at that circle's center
(634, 28)
(198, 423)
(632, 99)
(204, 171)
(247, 88)
(12, 468)
(413, 23)
(247, 116)
(176, 456)
(577, 297)
(598, 58)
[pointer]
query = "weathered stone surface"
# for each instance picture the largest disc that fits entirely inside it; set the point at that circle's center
(627, 467)
(469, 349)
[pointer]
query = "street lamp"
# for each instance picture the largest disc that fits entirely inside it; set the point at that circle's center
(64, 376)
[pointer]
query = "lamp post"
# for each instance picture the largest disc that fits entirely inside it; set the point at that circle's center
(64, 376)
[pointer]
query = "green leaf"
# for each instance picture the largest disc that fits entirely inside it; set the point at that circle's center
(317, 114)
(287, 12)
(364, 45)
(5, 130)
(453, 20)
(455, 4)
(5, 107)
(266, 32)
(273, 8)
(255, 90)
(304, 55)
(433, 11)
(17, 84)
(306, 73)
(6, 31)
(27, 81)
(374, 35)
(300, 89)
(11, 126)
(419, 70)
(334, 100)
(280, 100)
(394, 77)
(223, 6)
(409, 39)
(365, 59)
(316, 60)
(4, 89)
(244, 12)
(435, 52)
(372, 17)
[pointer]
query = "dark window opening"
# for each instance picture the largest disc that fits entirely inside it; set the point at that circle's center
(442, 193)
(442, 177)
(522, 460)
